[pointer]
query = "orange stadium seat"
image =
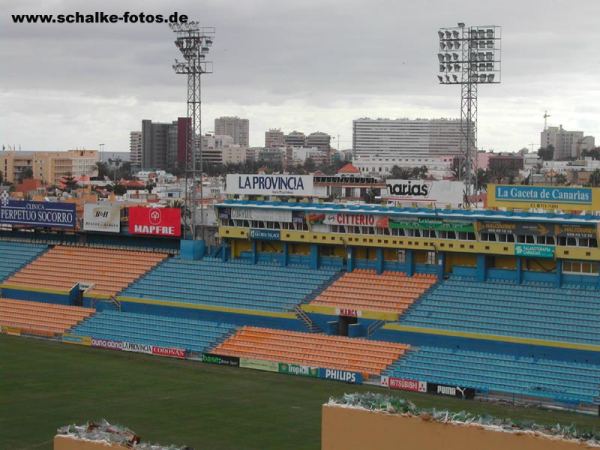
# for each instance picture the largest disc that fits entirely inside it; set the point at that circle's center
(364, 290)
(333, 352)
(109, 270)
(43, 319)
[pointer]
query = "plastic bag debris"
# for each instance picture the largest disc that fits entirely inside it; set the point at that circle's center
(103, 431)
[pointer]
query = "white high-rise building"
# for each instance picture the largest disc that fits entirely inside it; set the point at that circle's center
(135, 149)
(567, 144)
(406, 137)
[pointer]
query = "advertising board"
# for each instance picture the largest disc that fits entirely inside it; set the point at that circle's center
(37, 214)
(544, 197)
(295, 369)
(155, 221)
(439, 193)
(288, 185)
(105, 217)
(341, 375)
(265, 235)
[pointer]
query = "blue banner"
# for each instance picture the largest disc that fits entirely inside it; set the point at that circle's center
(265, 235)
(341, 375)
(38, 214)
(544, 194)
(534, 250)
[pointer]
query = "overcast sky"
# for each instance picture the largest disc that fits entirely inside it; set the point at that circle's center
(304, 65)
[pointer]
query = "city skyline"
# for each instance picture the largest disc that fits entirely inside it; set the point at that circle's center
(318, 81)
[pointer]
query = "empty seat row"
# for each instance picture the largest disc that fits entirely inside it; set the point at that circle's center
(147, 329)
(44, 319)
(539, 312)
(494, 372)
(334, 352)
(232, 285)
(14, 255)
(109, 270)
(366, 290)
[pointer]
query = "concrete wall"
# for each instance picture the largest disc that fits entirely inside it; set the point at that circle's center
(355, 429)
(68, 443)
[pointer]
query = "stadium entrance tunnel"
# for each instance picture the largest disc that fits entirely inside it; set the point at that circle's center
(344, 324)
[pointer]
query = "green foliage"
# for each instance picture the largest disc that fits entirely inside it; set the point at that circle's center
(546, 153)
(595, 178)
(408, 173)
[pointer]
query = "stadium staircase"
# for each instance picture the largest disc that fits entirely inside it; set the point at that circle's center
(562, 381)
(312, 326)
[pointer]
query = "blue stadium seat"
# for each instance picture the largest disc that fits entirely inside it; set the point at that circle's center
(146, 329)
(527, 310)
(262, 287)
(557, 380)
(14, 255)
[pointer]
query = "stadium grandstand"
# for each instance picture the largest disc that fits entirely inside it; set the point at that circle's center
(497, 303)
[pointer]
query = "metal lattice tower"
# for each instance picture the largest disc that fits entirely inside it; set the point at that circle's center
(194, 42)
(469, 56)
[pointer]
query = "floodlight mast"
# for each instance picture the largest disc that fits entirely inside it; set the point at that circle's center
(194, 42)
(479, 62)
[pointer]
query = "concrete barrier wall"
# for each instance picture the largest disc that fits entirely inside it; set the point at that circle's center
(68, 443)
(356, 429)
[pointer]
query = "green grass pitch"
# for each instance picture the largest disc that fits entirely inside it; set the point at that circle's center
(45, 384)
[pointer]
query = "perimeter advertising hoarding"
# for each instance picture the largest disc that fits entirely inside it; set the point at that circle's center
(534, 250)
(221, 360)
(261, 214)
(105, 217)
(289, 185)
(296, 369)
(358, 220)
(544, 197)
(37, 214)
(259, 364)
(345, 376)
(403, 384)
(155, 221)
(265, 235)
(451, 391)
(439, 193)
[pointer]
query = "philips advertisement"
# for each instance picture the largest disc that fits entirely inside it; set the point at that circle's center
(37, 214)
(288, 185)
(438, 193)
(544, 197)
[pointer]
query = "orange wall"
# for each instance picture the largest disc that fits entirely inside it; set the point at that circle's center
(355, 429)
(67, 443)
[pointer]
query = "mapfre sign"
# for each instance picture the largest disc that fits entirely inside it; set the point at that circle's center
(155, 221)
(439, 193)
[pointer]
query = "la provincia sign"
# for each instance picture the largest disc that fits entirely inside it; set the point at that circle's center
(288, 185)
(440, 193)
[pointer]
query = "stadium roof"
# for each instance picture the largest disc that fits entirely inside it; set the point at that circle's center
(476, 214)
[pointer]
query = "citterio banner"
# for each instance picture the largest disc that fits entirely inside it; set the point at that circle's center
(105, 217)
(155, 221)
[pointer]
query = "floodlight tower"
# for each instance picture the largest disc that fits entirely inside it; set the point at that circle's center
(194, 42)
(469, 56)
